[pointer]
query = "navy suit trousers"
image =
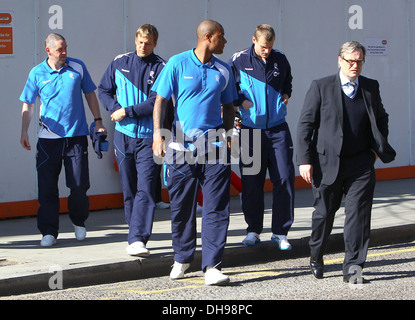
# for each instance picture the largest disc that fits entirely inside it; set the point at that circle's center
(356, 182)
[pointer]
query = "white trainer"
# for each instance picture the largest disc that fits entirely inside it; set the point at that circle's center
(214, 277)
(48, 241)
(137, 249)
(252, 238)
(178, 269)
(281, 241)
(162, 205)
(80, 232)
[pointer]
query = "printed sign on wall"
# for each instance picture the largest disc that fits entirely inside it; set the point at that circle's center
(6, 33)
(377, 47)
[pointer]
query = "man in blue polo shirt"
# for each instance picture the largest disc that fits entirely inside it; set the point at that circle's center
(59, 82)
(125, 91)
(198, 155)
(263, 78)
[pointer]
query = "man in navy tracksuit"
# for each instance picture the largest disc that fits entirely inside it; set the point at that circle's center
(130, 78)
(263, 78)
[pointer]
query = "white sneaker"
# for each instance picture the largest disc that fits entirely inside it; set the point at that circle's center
(281, 241)
(137, 249)
(178, 269)
(252, 238)
(80, 232)
(162, 205)
(214, 277)
(48, 241)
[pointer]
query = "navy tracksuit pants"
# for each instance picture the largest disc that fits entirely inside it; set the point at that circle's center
(51, 153)
(183, 181)
(275, 154)
(138, 173)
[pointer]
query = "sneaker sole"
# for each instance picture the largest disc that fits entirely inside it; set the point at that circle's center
(249, 243)
(279, 247)
(142, 254)
(219, 283)
(48, 245)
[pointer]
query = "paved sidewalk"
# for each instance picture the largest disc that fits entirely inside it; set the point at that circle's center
(101, 258)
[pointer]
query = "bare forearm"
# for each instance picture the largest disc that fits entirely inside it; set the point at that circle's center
(27, 114)
(158, 116)
(159, 148)
(93, 105)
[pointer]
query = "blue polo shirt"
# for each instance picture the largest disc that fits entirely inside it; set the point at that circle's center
(198, 89)
(62, 110)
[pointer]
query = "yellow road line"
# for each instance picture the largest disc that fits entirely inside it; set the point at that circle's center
(138, 291)
(372, 255)
(110, 298)
(158, 291)
(243, 273)
(390, 252)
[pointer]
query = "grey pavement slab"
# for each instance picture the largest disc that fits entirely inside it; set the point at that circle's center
(101, 257)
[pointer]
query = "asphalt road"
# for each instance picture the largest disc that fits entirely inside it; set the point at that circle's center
(389, 271)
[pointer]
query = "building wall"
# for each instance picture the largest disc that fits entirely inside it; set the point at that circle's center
(308, 32)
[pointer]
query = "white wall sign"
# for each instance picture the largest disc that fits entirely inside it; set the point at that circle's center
(377, 46)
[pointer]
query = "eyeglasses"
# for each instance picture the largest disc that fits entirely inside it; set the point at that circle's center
(352, 62)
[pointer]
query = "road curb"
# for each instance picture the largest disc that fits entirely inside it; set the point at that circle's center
(159, 265)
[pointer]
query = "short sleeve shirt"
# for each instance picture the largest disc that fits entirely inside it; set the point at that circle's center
(198, 89)
(62, 110)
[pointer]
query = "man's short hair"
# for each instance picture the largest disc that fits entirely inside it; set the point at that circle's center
(266, 31)
(147, 29)
(350, 46)
(52, 38)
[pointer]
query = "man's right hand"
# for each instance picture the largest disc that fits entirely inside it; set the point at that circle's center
(306, 172)
(159, 148)
(246, 104)
(24, 140)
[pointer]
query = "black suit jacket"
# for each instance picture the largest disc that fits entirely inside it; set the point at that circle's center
(320, 127)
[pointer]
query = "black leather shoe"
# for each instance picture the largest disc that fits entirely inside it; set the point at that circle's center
(317, 267)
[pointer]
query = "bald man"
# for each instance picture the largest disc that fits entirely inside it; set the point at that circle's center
(197, 155)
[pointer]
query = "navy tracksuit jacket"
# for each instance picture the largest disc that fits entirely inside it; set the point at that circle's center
(264, 84)
(129, 78)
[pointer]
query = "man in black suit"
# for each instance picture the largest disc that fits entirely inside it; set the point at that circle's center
(342, 130)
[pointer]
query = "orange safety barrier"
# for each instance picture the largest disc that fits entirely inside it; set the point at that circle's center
(115, 200)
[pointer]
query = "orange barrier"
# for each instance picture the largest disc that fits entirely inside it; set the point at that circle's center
(115, 200)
